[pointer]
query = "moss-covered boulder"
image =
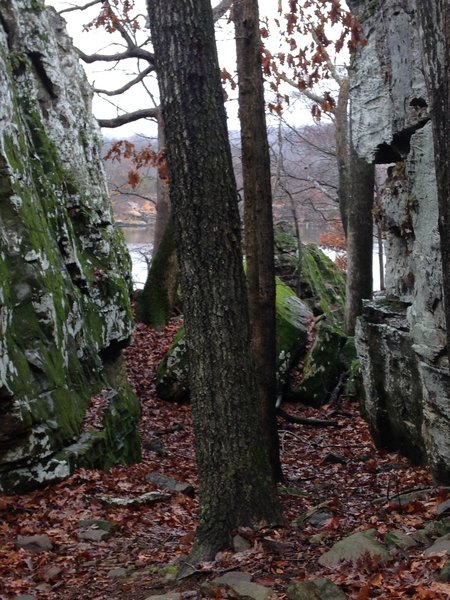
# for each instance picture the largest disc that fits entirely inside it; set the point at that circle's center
(292, 320)
(64, 270)
(322, 286)
(330, 355)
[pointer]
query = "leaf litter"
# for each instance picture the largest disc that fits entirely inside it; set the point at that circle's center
(358, 489)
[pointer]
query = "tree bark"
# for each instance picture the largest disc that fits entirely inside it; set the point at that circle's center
(359, 238)
(236, 484)
(155, 304)
(434, 17)
(258, 218)
(342, 150)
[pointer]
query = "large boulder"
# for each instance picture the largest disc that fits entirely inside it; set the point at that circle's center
(64, 269)
(391, 124)
(292, 320)
(321, 285)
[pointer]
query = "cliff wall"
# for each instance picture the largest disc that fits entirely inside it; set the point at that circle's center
(401, 336)
(64, 270)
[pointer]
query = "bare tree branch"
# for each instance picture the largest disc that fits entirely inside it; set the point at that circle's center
(146, 113)
(84, 7)
(221, 9)
(134, 52)
(128, 85)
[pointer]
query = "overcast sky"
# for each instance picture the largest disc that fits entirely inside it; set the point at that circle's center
(102, 75)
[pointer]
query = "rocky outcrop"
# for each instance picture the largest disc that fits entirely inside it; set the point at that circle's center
(64, 269)
(292, 319)
(401, 336)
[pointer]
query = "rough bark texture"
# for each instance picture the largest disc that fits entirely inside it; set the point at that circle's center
(258, 218)
(236, 486)
(359, 238)
(342, 149)
(434, 18)
(402, 336)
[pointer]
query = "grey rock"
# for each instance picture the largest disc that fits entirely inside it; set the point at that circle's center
(117, 573)
(315, 589)
(443, 510)
(441, 545)
(171, 484)
(332, 458)
(402, 353)
(101, 524)
(399, 539)
(93, 535)
(35, 543)
(354, 547)
(65, 271)
(240, 586)
(240, 544)
(319, 518)
(148, 498)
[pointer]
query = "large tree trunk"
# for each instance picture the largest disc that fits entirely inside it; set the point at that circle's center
(156, 303)
(359, 238)
(342, 150)
(434, 18)
(258, 218)
(236, 484)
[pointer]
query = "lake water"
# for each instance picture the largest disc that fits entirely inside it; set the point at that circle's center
(140, 245)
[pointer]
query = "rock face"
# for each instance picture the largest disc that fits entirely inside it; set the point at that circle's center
(401, 336)
(64, 269)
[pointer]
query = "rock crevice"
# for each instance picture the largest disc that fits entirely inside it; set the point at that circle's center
(401, 337)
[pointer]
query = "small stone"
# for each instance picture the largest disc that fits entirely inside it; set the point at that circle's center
(354, 547)
(52, 572)
(97, 524)
(93, 535)
(318, 538)
(399, 539)
(319, 518)
(117, 573)
(25, 597)
(171, 484)
(35, 543)
(240, 544)
(443, 510)
(332, 458)
(148, 498)
(440, 546)
(315, 589)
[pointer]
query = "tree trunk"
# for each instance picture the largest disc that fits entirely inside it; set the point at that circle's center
(258, 218)
(236, 484)
(359, 238)
(162, 194)
(434, 16)
(342, 150)
(155, 304)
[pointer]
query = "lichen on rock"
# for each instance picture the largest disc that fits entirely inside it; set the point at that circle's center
(64, 270)
(403, 353)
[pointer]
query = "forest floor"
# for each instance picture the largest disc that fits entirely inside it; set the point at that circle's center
(339, 466)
